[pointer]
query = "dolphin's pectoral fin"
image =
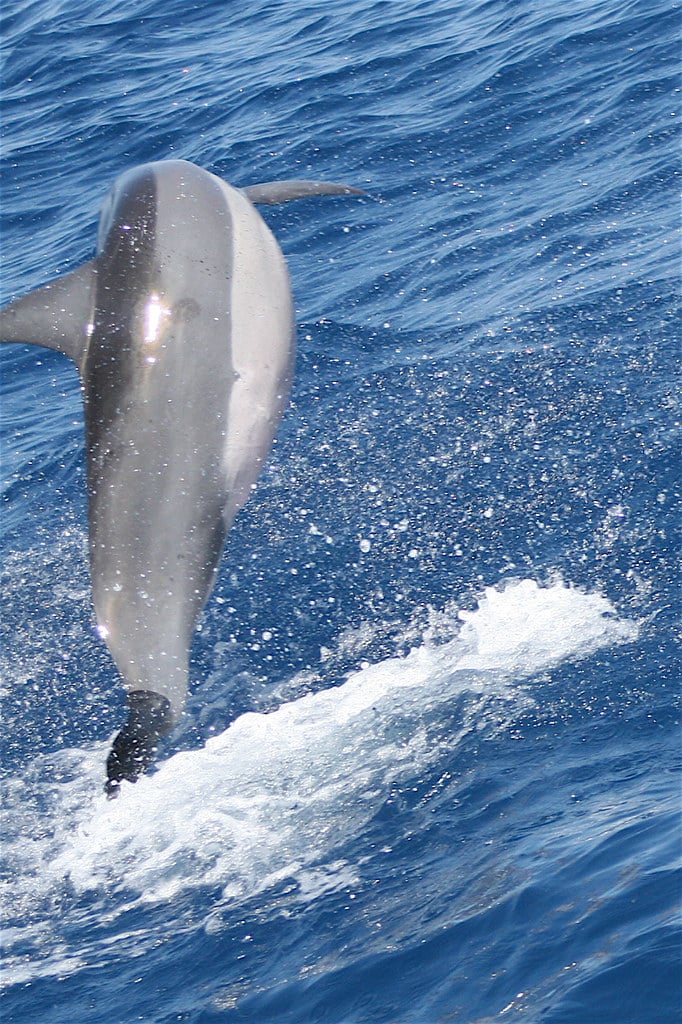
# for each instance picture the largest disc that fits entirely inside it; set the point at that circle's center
(134, 748)
(59, 315)
(271, 192)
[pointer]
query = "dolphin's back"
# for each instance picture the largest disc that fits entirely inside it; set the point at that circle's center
(185, 380)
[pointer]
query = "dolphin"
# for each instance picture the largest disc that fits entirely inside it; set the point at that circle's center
(183, 333)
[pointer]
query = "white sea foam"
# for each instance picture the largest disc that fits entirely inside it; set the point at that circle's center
(276, 795)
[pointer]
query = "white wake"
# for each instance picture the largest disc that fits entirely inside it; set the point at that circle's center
(278, 793)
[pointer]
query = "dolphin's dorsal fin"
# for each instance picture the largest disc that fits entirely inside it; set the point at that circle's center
(271, 192)
(57, 316)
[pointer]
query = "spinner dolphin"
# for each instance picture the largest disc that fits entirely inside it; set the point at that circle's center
(183, 333)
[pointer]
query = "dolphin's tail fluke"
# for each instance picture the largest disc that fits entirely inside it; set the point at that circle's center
(150, 718)
(270, 193)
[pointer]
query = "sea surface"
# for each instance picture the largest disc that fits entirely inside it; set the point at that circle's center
(429, 770)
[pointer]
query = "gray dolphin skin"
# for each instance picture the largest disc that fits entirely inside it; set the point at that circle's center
(182, 330)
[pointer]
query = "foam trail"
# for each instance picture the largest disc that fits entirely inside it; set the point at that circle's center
(277, 793)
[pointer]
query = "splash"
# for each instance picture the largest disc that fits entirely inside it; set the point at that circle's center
(276, 795)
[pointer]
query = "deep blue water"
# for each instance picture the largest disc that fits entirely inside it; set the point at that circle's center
(430, 767)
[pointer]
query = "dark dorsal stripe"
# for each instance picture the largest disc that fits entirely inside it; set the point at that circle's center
(124, 269)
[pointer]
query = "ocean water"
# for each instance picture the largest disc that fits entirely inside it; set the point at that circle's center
(429, 770)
